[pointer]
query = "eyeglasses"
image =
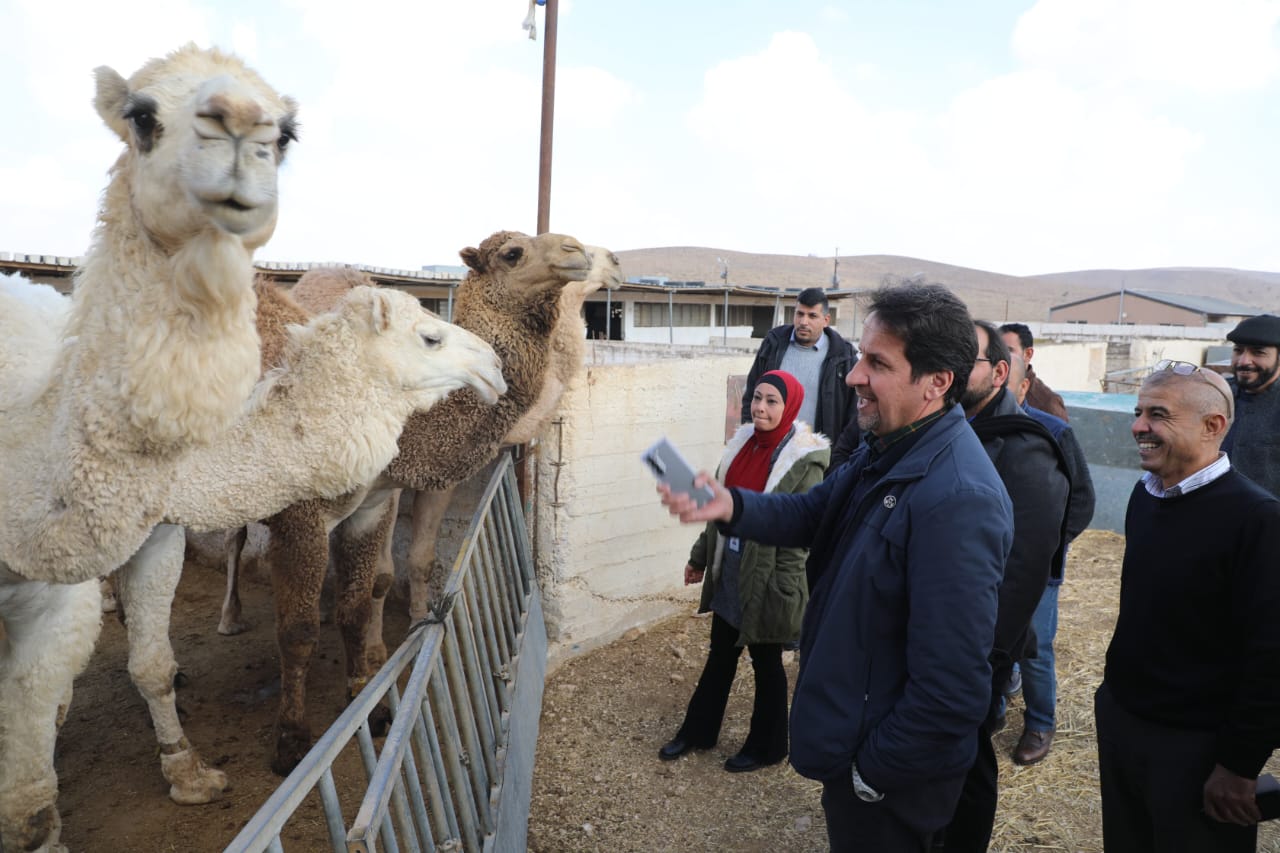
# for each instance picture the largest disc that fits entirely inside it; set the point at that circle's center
(1186, 368)
(981, 358)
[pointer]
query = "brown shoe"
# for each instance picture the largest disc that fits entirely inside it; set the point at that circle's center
(1032, 747)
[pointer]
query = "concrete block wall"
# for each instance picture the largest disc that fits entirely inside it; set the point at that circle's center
(609, 557)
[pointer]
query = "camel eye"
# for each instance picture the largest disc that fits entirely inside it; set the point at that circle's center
(288, 134)
(512, 255)
(141, 113)
(432, 341)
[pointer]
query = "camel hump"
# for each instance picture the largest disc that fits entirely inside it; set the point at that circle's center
(322, 288)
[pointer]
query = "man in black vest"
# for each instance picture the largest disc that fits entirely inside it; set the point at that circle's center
(1030, 463)
(1254, 439)
(1189, 707)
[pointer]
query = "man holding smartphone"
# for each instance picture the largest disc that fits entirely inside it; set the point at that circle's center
(908, 543)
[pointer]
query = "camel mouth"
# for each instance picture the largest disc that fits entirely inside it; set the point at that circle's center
(237, 206)
(573, 272)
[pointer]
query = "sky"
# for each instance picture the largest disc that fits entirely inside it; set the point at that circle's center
(1009, 135)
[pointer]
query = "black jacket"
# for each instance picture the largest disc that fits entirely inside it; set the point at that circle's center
(1031, 465)
(836, 400)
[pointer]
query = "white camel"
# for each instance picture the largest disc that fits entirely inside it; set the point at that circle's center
(103, 437)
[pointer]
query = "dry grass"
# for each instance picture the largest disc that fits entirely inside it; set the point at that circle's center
(599, 785)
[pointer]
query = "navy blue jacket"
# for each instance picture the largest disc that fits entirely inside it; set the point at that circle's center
(901, 616)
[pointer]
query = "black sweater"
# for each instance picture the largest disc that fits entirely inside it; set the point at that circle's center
(1197, 642)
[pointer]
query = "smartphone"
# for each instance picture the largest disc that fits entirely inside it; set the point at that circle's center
(1268, 796)
(670, 467)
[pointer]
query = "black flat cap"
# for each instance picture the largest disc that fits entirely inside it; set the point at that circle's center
(1262, 331)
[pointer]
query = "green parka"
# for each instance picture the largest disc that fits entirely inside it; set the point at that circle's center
(771, 583)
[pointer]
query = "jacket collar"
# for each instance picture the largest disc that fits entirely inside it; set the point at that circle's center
(801, 444)
(920, 458)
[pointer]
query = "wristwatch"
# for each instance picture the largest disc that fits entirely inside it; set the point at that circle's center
(865, 792)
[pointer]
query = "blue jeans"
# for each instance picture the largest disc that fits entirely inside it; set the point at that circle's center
(1039, 682)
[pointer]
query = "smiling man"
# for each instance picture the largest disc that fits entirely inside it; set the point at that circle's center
(1189, 708)
(908, 545)
(1254, 439)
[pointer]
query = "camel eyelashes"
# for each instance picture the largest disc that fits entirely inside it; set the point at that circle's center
(141, 113)
(432, 341)
(288, 133)
(512, 255)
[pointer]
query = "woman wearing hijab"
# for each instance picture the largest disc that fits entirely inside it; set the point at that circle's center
(756, 593)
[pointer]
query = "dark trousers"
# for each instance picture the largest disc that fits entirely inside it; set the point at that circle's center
(767, 740)
(970, 828)
(1152, 779)
(854, 826)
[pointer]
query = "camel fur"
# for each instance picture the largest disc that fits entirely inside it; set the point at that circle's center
(511, 297)
(155, 358)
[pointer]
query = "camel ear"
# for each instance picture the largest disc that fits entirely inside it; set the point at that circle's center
(381, 314)
(471, 257)
(112, 92)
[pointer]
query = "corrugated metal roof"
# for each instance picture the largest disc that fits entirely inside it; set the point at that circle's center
(1199, 304)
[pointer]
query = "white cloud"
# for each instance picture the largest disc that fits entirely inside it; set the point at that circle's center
(1217, 46)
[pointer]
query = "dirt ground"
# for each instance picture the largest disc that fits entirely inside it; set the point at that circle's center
(598, 785)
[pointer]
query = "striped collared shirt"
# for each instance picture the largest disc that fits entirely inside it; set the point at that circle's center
(1203, 477)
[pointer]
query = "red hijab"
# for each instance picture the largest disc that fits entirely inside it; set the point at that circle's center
(750, 468)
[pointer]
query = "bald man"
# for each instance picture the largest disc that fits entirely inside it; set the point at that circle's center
(1189, 708)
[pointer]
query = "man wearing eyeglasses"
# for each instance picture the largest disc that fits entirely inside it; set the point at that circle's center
(1254, 438)
(1031, 466)
(1189, 707)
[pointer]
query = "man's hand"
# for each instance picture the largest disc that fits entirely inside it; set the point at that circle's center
(692, 575)
(1229, 798)
(719, 508)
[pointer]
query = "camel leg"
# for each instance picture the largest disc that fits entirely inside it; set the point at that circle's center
(50, 631)
(298, 552)
(426, 572)
(359, 542)
(375, 647)
(148, 583)
(231, 623)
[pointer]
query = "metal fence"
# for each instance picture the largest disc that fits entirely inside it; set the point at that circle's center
(465, 689)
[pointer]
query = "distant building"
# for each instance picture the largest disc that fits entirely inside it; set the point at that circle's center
(1152, 308)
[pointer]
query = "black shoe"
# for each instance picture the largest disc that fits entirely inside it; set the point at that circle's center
(743, 763)
(674, 748)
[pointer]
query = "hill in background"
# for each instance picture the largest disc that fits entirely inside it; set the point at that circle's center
(990, 295)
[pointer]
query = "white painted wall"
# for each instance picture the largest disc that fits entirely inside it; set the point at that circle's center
(609, 557)
(1072, 366)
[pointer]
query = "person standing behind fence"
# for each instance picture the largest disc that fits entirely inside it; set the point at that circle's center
(1017, 337)
(1254, 438)
(755, 592)
(815, 354)
(908, 540)
(1189, 707)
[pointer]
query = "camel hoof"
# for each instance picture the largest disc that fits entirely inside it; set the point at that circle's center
(231, 627)
(291, 747)
(38, 832)
(379, 720)
(191, 781)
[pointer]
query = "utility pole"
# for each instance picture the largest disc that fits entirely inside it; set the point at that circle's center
(548, 116)
(835, 271)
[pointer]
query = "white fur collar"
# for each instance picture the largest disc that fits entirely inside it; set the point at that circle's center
(804, 442)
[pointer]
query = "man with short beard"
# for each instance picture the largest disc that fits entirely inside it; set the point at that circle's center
(1031, 466)
(1254, 439)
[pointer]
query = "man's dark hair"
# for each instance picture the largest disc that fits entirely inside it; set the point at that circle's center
(935, 329)
(997, 349)
(812, 297)
(1022, 331)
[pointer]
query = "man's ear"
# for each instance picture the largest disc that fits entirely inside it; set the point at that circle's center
(1000, 373)
(1215, 427)
(937, 384)
(1027, 353)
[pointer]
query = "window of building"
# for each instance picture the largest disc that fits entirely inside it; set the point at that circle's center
(739, 315)
(654, 314)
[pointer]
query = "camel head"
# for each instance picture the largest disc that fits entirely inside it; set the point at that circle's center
(528, 267)
(606, 270)
(204, 139)
(424, 354)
